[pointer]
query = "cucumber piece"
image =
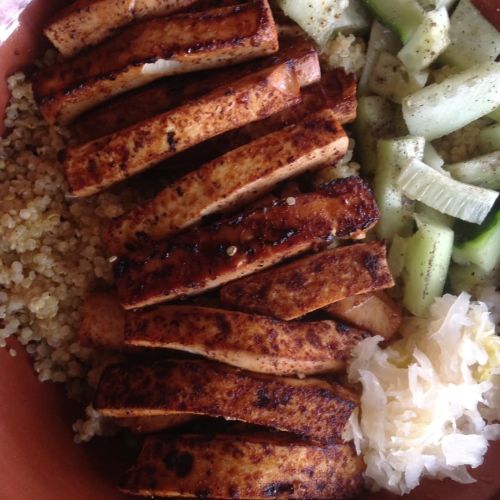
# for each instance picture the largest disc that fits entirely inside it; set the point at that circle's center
(489, 138)
(377, 118)
(427, 259)
(392, 80)
(395, 209)
(483, 171)
(495, 115)
(431, 157)
(396, 256)
(354, 19)
(429, 40)
(317, 18)
(381, 39)
(473, 38)
(423, 183)
(401, 16)
(430, 213)
(483, 249)
(471, 278)
(442, 108)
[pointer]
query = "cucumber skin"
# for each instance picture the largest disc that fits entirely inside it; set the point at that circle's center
(395, 209)
(484, 249)
(427, 259)
(400, 16)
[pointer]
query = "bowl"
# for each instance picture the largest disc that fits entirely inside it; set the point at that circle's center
(38, 457)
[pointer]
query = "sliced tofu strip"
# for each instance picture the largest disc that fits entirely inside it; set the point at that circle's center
(247, 341)
(97, 165)
(375, 312)
(148, 425)
(89, 22)
(103, 322)
(312, 408)
(158, 97)
(231, 181)
(245, 467)
(154, 49)
(293, 290)
(206, 257)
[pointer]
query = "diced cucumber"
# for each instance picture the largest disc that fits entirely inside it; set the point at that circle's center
(489, 138)
(316, 17)
(474, 39)
(377, 118)
(390, 79)
(483, 249)
(427, 259)
(495, 115)
(444, 194)
(431, 156)
(381, 39)
(434, 215)
(471, 278)
(396, 256)
(429, 40)
(401, 16)
(458, 100)
(395, 209)
(483, 171)
(354, 19)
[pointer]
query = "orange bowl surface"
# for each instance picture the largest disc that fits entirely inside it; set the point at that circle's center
(38, 458)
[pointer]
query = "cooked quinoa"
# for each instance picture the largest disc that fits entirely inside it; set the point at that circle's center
(50, 249)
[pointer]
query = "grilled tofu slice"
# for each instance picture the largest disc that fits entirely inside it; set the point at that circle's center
(89, 22)
(315, 409)
(230, 181)
(148, 425)
(158, 97)
(375, 312)
(254, 343)
(154, 49)
(293, 290)
(245, 467)
(98, 164)
(206, 257)
(103, 322)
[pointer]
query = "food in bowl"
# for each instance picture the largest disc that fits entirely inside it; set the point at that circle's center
(202, 235)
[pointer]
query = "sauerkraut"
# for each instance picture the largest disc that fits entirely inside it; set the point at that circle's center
(429, 401)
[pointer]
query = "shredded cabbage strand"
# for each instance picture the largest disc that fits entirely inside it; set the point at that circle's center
(428, 400)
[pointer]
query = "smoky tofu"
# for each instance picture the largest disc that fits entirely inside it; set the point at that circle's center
(160, 96)
(293, 290)
(375, 312)
(230, 181)
(312, 408)
(149, 425)
(103, 322)
(207, 256)
(96, 165)
(153, 49)
(247, 341)
(244, 466)
(88, 22)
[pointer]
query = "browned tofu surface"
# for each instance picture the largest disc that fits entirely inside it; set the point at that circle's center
(103, 322)
(230, 181)
(154, 49)
(208, 256)
(98, 164)
(293, 290)
(255, 343)
(158, 97)
(375, 312)
(312, 408)
(148, 425)
(89, 22)
(245, 467)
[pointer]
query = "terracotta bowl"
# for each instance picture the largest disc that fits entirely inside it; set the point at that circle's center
(38, 458)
